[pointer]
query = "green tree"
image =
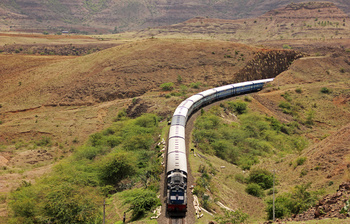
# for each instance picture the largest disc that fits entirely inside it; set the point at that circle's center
(302, 198)
(262, 177)
(116, 166)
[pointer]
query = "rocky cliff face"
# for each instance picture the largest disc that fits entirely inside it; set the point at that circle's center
(123, 15)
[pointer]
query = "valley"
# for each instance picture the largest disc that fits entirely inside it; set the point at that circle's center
(58, 92)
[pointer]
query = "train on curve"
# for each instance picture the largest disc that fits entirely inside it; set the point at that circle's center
(176, 170)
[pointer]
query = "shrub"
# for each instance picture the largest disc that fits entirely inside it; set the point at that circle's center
(179, 79)
(44, 141)
(55, 203)
(195, 85)
(303, 172)
(325, 90)
(239, 106)
(287, 96)
(282, 206)
(183, 89)
(66, 203)
(248, 98)
(240, 178)
(147, 121)
(310, 117)
(140, 201)
(167, 86)
(233, 217)
(115, 167)
(88, 152)
(255, 190)
(298, 201)
(285, 105)
(247, 161)
(298, 90)
(121, 115)
(261, 177)
(301, 161)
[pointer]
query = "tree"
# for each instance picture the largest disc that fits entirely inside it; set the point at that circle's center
(116, 166)
(262, 177)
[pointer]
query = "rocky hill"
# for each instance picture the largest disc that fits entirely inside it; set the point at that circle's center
(101, 16)
(311, 20)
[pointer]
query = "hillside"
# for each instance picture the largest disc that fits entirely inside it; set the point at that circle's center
(312, 21)
(101, 16)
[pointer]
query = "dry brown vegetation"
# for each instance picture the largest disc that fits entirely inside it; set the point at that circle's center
(67, 98)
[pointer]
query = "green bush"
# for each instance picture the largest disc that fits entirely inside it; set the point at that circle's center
(195, 85)
(261, 177)
(147, 121)
(179, 79)
(121, 115)
(255, 190)
(44, 141)
(239, 106)
(282, 207)
(141, 201)
(67, 203)
(325, 90)
(167, 86)
(286, 46)
(287, 96)
(298, 90)
(55, 203)
(116, 166)
(88, 152)
(233, 217)
(298, 201)
(301, 161)
(310, 117)
(284, 105)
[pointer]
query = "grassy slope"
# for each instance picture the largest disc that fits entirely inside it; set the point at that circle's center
(327, 138)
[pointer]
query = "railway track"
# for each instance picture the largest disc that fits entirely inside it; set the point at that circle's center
(177, 221)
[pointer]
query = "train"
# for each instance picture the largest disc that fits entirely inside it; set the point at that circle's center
(176, 168)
